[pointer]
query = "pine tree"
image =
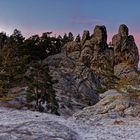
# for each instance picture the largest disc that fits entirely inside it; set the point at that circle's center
(70, 36)
(78, 38)
(40, 87)
(12, 65)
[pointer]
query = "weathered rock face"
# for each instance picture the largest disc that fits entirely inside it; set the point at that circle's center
(97, 55)
(78, 69)
(72, 47)
(123, 70)
(84, 67)
(99, 35)
(125, 49)
(107, 62)
(86, 36)
(77, 84)
(113, 104)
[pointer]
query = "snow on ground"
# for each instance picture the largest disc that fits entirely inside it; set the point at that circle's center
(28, 125)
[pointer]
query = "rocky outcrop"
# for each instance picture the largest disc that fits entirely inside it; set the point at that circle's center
(111, 63)
(99, 35)
(86, 36)
(124, 70)
(98, 56)
(83, 68)
(72, 47)
(113, 105)
(125, 52)
(78, 69)
(77, 84)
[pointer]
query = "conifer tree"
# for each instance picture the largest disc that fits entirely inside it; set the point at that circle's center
(40, 88)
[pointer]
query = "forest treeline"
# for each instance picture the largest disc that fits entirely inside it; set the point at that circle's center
(21, 64)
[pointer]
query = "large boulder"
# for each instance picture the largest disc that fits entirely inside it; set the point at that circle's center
(113, 105)
(123, 70)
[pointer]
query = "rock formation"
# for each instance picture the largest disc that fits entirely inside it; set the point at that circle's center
(88, 67)
(113, 104)
(77, 84)
(100, 35)
(110, 63)
(97, 55)
(81, 71)
(86, 36)
(83, 68)
(126, 56)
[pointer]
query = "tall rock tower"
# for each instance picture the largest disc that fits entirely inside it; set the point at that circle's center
(126, 55)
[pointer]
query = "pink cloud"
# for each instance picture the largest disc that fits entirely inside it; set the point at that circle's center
(85, 21)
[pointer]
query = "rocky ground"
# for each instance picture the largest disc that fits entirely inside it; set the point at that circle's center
(107, 120)
(28, 125)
